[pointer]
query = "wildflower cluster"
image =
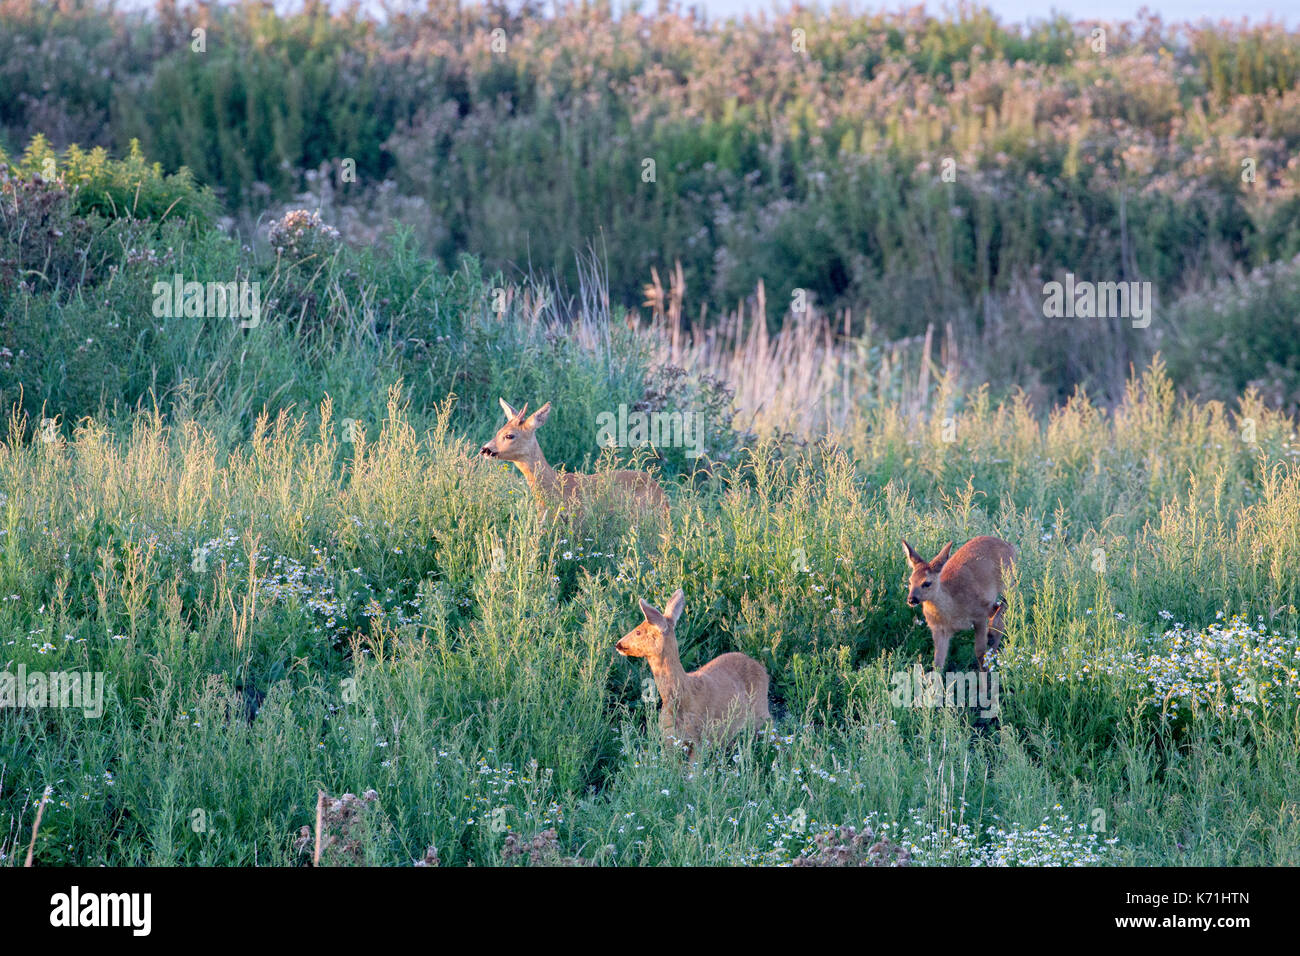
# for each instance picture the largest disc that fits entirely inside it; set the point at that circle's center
(344, 830)
(300, 234)
(798, 839)
(1226, 669)
(505, 797)
(542, 850)
(847, 846)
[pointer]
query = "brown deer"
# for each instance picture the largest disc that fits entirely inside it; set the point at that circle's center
(716, 702)
(516, 442)
(960, 592)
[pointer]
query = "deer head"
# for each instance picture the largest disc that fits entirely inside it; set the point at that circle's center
(656, 636)
(924, 583)
(516, 440)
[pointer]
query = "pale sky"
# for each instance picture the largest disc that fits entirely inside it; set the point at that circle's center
(1009, 11)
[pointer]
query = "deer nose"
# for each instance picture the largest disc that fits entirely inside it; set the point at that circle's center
(913, 600)
(485, 450)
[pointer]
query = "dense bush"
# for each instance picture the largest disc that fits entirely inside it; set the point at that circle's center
(62, 217)
(1241, 335)
(808, 151)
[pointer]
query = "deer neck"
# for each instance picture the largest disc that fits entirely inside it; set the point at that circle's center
(942, 603)
(670, 678)
(541, 477)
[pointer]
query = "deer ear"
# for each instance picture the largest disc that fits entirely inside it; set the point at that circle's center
(941, 558)
(913, 558)
(505, 407)
(676, 604)
(539, 417)
(653, 616)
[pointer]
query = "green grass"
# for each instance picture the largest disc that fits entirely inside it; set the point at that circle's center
(354, 587)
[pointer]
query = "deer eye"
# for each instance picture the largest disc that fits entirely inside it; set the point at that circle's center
(926, 584)
(509, 437)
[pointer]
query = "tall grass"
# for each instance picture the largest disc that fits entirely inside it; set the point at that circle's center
(293, 613)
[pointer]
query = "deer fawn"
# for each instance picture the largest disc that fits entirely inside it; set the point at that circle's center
(716, 702)
(961, 591)
(517, 442)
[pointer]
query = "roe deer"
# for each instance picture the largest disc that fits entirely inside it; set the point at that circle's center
(961, 591)
(517, 442)
(716, 702)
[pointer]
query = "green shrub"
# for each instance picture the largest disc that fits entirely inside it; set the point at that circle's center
(1240, 335)
(129, 188)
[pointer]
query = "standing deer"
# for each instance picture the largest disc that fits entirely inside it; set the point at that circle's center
(716, 702)
(516, 441)
(960, 592)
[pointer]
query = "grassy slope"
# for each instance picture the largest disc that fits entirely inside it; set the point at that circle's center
(201, 567)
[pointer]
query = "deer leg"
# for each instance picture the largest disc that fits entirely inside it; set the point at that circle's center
(981, 642)
(995, 625)
(941, 639)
